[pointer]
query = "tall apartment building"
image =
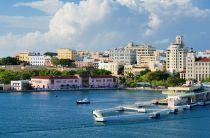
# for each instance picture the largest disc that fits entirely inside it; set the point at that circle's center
(197, 68)
(176, 56)
(146, 54)
(124, 55)
(66, 53)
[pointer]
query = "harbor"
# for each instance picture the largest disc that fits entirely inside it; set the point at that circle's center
(43, 114)
(180, 99)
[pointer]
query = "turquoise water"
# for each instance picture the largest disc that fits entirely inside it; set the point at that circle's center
(45, 115)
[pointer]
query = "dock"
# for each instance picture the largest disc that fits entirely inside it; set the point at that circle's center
(149, 110)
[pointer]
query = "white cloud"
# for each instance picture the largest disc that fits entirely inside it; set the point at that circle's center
(47, 6)
(102, 24)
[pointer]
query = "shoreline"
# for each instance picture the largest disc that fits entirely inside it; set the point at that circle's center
(146, 89)
(81, 89)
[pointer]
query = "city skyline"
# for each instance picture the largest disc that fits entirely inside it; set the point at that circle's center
(45, 25)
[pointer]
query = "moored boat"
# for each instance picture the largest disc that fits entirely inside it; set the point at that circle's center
(84, 101)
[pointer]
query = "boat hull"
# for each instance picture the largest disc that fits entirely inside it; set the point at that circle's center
(78, 102)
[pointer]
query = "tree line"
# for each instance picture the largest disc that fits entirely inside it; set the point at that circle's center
(157, 78)
(10, 61)
(8, 75)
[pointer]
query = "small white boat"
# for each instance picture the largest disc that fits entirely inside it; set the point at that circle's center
(84, 101)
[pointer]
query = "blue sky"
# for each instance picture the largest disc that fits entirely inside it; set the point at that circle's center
(45, 25)
(7, 8)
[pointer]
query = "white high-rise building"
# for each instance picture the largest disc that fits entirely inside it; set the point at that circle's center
(176, 56)
(124, 55)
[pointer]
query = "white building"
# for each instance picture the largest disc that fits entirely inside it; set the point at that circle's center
(176, 56)
(19, 85)
(156, 66)
(197, 68)
(124, 55)
(110, 66)
(36, 59)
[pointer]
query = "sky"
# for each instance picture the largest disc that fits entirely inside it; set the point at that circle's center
(45, 25)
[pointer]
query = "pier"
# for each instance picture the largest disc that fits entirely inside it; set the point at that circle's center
(175, 103)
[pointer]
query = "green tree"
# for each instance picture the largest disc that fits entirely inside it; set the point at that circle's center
(10, 61)
(55, 61)
(174, 81)
(206, 80)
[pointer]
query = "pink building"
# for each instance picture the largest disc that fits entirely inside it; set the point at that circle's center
(47, 61)
(56, 82)
(102, 81)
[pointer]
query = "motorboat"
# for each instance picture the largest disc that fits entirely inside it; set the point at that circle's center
(84, 101)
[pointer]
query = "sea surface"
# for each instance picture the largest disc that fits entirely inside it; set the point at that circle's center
(55, 114)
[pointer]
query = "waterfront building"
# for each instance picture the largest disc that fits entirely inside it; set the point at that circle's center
(36, 59)
(134, 69)
(66, 53)
(197, 68)
(102, 81)
(114, 67)
(146, 54)
(56, 82)
(124, 55)
(176, 56)
(20, 85)
(183, 99)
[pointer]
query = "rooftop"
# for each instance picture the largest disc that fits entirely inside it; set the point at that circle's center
(202, 59)
(103, 76)
(55, 77)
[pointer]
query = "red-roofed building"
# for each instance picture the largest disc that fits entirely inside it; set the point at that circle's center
(72, 82)
(197, 68)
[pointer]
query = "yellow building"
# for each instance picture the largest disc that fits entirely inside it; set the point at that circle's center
(66, 53)
(23, 56)
(133, 69)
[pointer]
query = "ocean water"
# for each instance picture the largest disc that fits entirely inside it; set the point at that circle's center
(42, 114)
